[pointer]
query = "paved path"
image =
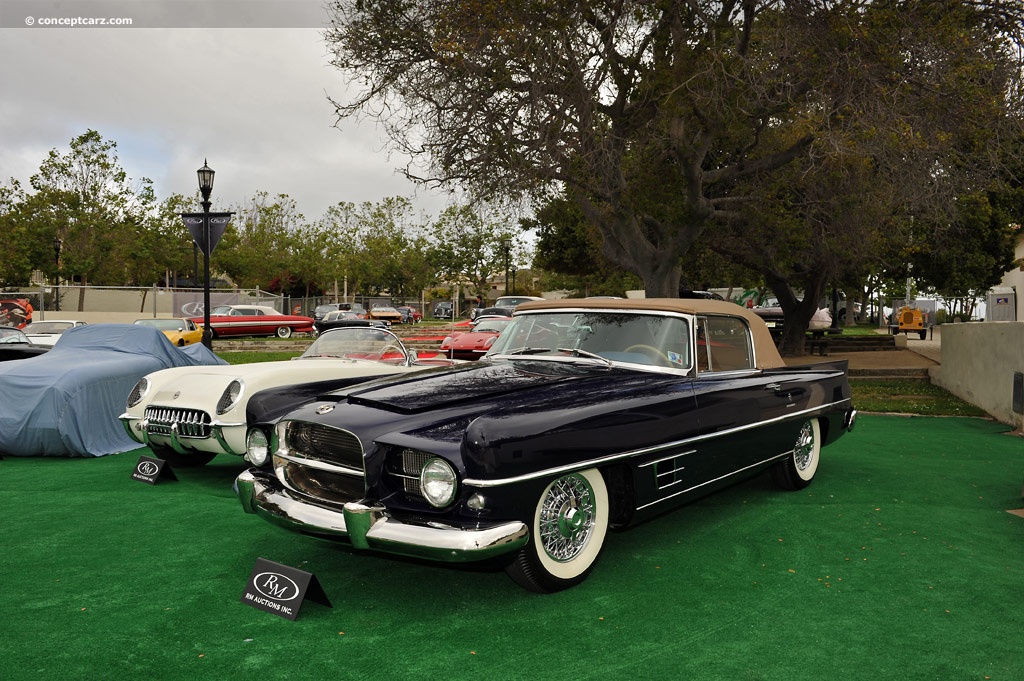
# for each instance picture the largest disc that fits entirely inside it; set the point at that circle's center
(919, 354)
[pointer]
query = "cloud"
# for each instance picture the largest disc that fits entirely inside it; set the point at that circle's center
(253, 102)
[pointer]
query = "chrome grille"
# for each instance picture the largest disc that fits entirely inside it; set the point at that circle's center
(323, 443)
(190, 422)
(312, 445)
(412, 465)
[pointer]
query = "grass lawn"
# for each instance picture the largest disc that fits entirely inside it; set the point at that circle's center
(898, 562)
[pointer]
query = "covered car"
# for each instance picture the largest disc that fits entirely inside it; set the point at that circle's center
(66, 402)
(189, 415)
(585, 415)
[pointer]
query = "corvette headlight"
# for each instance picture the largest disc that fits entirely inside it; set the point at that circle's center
(257, 447)
(438, 482)
(230, 397)
(138, 392)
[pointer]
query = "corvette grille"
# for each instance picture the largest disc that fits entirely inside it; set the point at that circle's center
(190, 422)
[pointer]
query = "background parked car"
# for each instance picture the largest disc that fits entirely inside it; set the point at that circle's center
(254, 320)
(321, 310)
(179, 331)
(340, 319)
(509, 303)
(356, 308)
(410, 315)
(15, 345)
(444, 310)
(474, 343)
(385, 312)
(48, 332)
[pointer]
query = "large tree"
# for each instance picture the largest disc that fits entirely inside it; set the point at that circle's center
(659, 118)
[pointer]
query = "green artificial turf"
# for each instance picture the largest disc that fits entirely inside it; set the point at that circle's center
(899, 562)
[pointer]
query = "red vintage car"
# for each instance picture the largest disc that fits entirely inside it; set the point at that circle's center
(473, 344)
(254, 320)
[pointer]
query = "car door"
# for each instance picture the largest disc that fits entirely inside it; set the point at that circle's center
(745, 414)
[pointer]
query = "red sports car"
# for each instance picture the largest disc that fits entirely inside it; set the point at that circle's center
(254, 320)
(474, 343)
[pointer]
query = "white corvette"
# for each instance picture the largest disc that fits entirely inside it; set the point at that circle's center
(188, 415)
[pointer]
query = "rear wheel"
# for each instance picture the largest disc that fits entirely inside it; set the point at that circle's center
(568, 531)
(797, 469)
(284, 332)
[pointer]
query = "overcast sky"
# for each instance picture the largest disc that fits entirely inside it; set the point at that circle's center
(249, 95)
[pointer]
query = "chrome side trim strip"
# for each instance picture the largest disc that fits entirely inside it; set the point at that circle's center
(603, 460)
(721, 477)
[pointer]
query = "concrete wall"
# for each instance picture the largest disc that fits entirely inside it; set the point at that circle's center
(978, 363)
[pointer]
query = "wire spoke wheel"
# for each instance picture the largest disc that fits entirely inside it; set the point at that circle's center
(568, 531)
(797, 470)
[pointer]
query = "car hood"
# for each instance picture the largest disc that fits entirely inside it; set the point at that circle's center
(483, 385)
(201, 386)
(485, 415)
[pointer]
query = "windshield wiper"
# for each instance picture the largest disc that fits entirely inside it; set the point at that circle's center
(577, 352)
(528, 351)
(574, 352)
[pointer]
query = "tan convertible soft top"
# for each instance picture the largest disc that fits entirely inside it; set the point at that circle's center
(764, 348)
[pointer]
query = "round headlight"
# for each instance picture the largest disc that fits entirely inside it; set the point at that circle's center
(257, 447)
(229, 398)
(138, 392)
(437, 482)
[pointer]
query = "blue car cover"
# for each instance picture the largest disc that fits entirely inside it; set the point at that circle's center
(66, 401)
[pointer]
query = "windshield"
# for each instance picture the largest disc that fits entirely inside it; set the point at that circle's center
(8, 335)
(47, 327)
(362, 343)
(163, 324)
(628, 337)
(492, 325)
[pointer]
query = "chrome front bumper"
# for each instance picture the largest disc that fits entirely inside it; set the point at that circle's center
(369, 527)
(138, 429)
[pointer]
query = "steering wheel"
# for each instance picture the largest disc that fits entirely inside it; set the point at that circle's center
(652, 352)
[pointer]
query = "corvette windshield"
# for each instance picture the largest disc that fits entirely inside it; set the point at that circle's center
(362, 343)
(628, 337)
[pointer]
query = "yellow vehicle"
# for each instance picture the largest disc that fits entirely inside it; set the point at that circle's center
(179, 331)
(911, 320)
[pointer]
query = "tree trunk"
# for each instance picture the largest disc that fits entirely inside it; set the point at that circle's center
(81, 293)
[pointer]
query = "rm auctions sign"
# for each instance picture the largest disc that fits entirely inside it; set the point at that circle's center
(280, 589)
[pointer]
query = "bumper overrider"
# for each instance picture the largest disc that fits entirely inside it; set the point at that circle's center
(184, 438)
(368, 525)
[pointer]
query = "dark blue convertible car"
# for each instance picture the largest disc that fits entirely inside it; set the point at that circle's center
(585, 415)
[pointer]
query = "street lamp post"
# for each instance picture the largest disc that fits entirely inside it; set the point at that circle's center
(205, 175)
(57, 243)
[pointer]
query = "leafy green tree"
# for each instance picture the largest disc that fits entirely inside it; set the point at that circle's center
(665, 120)
(26, 238)
(257, 247)
(471, 245)
(99, 207)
